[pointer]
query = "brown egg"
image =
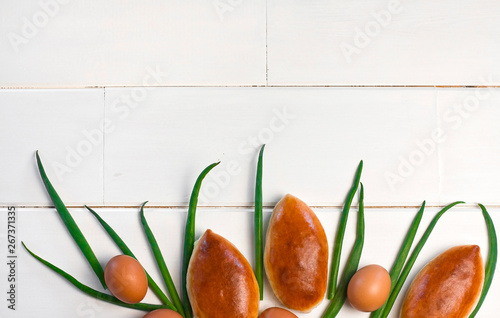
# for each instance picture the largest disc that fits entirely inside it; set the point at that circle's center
(448, 286)
(163, 313)
(220, 281)
(369, 288)
(276, 312)
(126, 279)
(296, 255)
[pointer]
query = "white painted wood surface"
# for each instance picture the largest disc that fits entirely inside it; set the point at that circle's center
(387, 42)
(56, 122)
(80, 43)
(470, 120)
(307, 132)
(112, 133)
(44, 294)
(109, 147)
(61, 43)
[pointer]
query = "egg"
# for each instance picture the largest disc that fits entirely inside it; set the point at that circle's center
(369, 288)
(276, 312)
(163, 313)
(126, 279)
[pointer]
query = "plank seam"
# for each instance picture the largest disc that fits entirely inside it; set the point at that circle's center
(250, 85)
(237, 206)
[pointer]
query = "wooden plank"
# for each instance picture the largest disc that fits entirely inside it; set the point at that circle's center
(155, 146)
(37, 286)
(66, 127)
(315, 139)
(383, 42)
(56, 43)
(469, 148)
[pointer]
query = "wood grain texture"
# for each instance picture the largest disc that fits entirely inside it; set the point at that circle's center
(383, 42)
(124, 43)
(469, 121)
(109, 147)
(66, 127)
(385, 230)
(315, 138)
(142, 140)
(233, 43)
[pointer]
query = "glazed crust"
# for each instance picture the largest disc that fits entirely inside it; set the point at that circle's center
(296, 255)
(448, 286)
(220, 281)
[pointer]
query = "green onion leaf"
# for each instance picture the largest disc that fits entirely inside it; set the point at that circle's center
(402, 255)
(189, 236)
(259, 247)
(413, 257)
(172, 291)
(352, 263)
(71, 225)
(491, 263)
(92, 292)
(339, 239)
(125, 250)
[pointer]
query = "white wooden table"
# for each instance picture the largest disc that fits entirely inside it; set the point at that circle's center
(128, 102)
